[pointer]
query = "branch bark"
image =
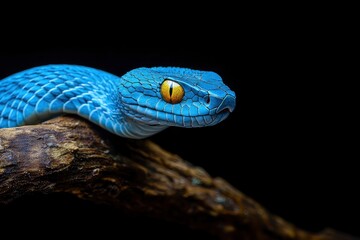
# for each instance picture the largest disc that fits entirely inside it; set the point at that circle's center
(68, 154)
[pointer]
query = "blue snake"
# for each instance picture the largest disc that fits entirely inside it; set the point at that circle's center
(142, 102)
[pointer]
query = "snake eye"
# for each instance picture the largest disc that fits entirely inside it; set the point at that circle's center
(171, 91)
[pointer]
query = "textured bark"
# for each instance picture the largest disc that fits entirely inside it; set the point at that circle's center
(68, 154)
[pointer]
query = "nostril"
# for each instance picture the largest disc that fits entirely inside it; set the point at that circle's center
(207, 99)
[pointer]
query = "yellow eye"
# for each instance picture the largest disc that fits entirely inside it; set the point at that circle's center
(171, 91)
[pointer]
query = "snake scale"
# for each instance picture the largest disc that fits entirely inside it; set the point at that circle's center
(142, 102)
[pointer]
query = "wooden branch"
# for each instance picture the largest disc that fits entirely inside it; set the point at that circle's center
(68, 154)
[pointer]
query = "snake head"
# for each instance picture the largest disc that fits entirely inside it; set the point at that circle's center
(172, 96)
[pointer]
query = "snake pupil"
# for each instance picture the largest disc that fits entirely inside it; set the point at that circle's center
(171, 87)
(207, 99)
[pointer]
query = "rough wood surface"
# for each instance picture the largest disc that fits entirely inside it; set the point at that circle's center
(68, 154)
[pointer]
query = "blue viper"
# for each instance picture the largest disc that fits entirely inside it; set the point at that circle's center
(142, 102)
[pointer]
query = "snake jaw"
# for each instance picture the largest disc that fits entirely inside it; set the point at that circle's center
(154, 117)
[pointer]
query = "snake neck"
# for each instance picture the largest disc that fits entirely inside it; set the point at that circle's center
(137, 130)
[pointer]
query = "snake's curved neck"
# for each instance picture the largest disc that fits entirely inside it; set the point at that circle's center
(137, 130)
(42, 93)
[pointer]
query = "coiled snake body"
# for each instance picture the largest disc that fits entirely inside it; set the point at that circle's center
(142, 102)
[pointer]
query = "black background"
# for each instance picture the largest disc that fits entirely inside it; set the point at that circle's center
(289, 144)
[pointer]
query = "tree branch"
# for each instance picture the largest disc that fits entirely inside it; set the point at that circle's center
(68, 154)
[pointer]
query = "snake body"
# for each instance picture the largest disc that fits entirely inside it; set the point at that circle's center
(142, 102)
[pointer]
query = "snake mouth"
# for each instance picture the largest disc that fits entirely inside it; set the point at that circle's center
(155, 117)
(224, 111)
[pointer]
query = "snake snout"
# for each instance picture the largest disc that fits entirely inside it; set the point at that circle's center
(228, 104)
